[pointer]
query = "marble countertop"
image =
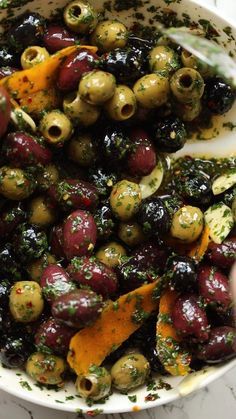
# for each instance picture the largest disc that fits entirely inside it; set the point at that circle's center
(217, 401)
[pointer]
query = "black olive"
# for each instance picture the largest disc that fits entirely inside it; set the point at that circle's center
(15, 352)
(103, 180)
(183, 273)
(172, 202)
(194, 187)
(8, 264)
(28, 30)
(228, 196)
(126, 64)
(140, 43)
(153, 216)
(8, 58)
(29, 242)
(115, 144)
(4, 292)
(150, 352)
(169, 134)
(218, 96)
(104, 221)
(132, 274)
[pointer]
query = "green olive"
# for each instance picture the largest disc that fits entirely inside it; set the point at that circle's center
(190, 60)
(80, 17)
(130, 232)
(122, 105)
(95, 385)
(187, 85)
(188, 111)
(32, 56)
(79, 111)
(163, 59)
(130, 371)
(110, 254)
(26, 301)
(41, 213)
(109, 34)
(152, 90)
(81, 150)
(46, 369)
(96, 87)
(36, 268)
(125, 199)
(55, 127)
(15, 183)
(48, 177)
(187, 224)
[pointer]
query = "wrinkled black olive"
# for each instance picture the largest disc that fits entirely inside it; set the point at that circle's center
(169, 134)
(218, 96)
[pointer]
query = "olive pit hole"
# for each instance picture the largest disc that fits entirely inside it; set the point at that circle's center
(186, 81)
(86, 385)
(31, 54)
(76, 11)
(127, 110)
(54, 131)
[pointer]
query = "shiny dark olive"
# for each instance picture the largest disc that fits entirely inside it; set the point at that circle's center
(194, 187)
(29, 242)
(220, 346)
(169, 134)
(53, 337)
(15, 352)
(103, 180)
(218, 96)
(104, 221)
(172, 202)
(8, 58)
(9, 266)
(115, 144)
(183, 273)
(153, 216)
(222, 255)
(133, 275)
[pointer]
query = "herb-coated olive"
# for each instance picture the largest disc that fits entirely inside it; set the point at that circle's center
(115, 144)
(188, 111)
(81, 150)
(183, 273)
(187, 224)
(79, 111)
(103, 180)
(55, 282)
(97, 87)
(46, 368)
(15, 183)
(214, 287)
(218, 96)
(57, 37)
(8, 57)
(36, 267)
(53, 337)
(130, 232)
(93, 274)
(132, 274)
(109, 35)
(28, 30)
(220, 346)
(110, 254)
(153, 216)
(10, 218)
(187, 85)
(41, 212)
(78, 308)
(122, 105)
(194, 186)
(169, 134)
(5, 110)
(79, 234)
(125, 199)
(130, 372)
(56, 127)
(104, 221)
(222, 255)
(152, 90)
(95, 385)
(32, 56)
(142, 158)
(172, 202)
(15, 352)
(47, 177)
(80, 17)
(163, 59)
(151, 255)
(26, 301)
(29, 242)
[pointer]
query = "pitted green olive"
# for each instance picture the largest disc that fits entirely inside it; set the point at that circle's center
(152, 90)
(80, 17)
(41, 213)
(96, 87)
(130, 371)
(163, 59)
(81, 150)
(131, 233)
(79, 111)
(95, 385)
(122, 105)
(187, 85)
(110, 254)
(56, 127)
(15, 183)
(32, 56)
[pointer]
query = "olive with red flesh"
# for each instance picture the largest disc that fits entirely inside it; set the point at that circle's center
(153, 216)
(5, 110)
(79, 234)
(10, 218)
(169, 134)
(74, 194)
(214, 286)
(222, 255)
(29, 242)
(22, 150)
(55, 282)
(8, 58)
(115, 144)
(92, 273)
(183, 273)
(103, 180)
(53, 336)
(57, 37)
(15, 352)
(194, 187)
(103, 218)
(56, 242)
(74, 67)
(77, 309)
(142, 160)
(218, 96)
(220, 346)
(189, 319)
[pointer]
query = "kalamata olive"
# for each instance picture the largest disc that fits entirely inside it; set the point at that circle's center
(103, 180)
(183, 273)
(22, 150)
(151, 255)
(29, 242)
(220, 346)
(5, 110)
(15, 352)
(55, 282)
(56, 242)
(115, 144)
(79, 234)
(28, 30)
(132, 275)
(194, 187)
(9, 267)
(189, 318)
(74, 67)
(142, 159)
(92, 273)
(4, 292)
(57, 37)
(224, 254)
(214, 286)
(153, 216)
(52, 336)
(74, 194)
(77, 309)
(10, 218)
(104, 221)
(6, 71)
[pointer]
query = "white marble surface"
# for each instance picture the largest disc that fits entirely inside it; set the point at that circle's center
(217, 401)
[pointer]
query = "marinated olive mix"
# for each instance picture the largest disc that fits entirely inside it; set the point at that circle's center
(115, 257)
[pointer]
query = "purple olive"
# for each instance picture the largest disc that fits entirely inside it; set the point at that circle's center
(57, 37)
(189, 319)
(56, 242)
(23, 150)
(79, 234)
(74, 194)
(220, 346)
(53, 336)
(93, 274)
(214, 286)
(77, 309)
(5, 110)
(74, 67)
(132, 274)
(224, 254)
(55, 282)
(142, 159)
(151, 255)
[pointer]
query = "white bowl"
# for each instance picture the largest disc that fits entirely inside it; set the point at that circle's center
(17, 382)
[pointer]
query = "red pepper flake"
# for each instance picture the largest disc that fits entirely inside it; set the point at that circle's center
(94, 412)
(29, 304)
(19, 291)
